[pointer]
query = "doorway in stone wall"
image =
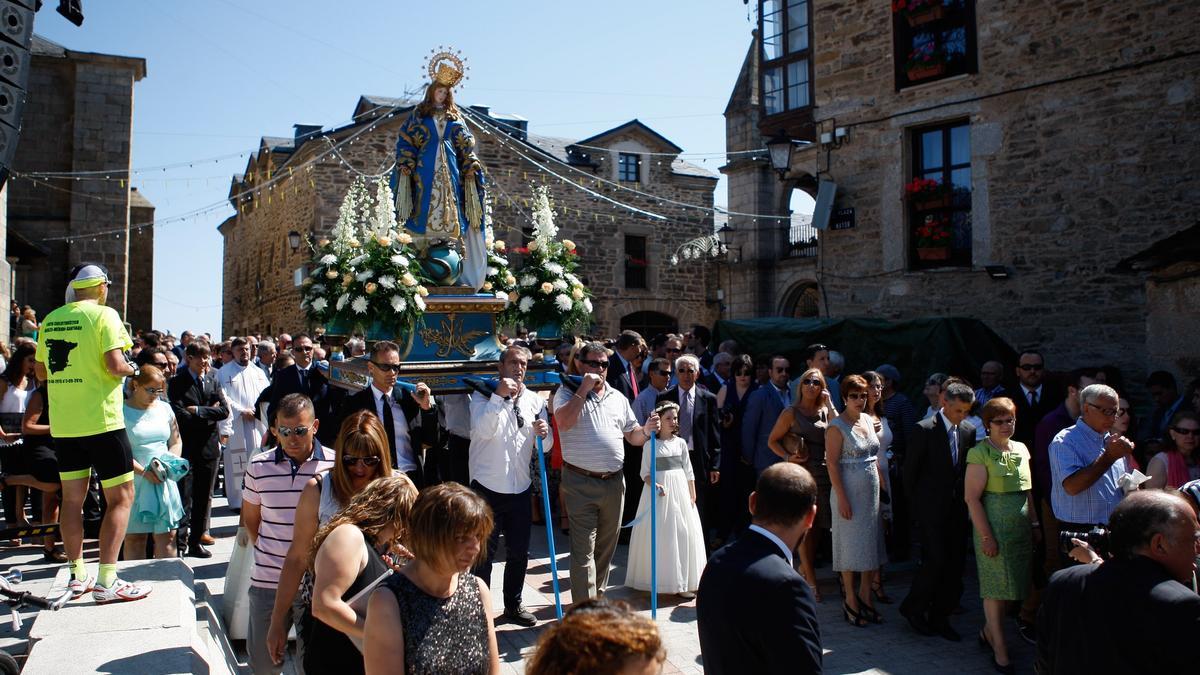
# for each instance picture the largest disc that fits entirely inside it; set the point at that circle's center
(802, 301)
(648, 324)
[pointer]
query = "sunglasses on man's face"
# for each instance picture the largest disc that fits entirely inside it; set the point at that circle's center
(662, 373)
(284, 432)
(393, 367)
(369, 462)
(1030, 366)
(594, 364)
(302, 349)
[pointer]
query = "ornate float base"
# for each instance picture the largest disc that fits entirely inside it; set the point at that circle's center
(457, 339)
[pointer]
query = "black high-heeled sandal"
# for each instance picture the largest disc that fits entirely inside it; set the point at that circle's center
(879, 594)
(852, 617)
(868, 612)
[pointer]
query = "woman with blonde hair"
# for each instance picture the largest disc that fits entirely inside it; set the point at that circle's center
(361, 456)
(434, 616)
(351, 552)
(157, 465)
(799, 437)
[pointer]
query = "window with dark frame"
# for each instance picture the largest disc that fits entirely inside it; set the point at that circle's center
(786, 55)
(939, 196)
(629, 167)
(934, 39)
(636, 262)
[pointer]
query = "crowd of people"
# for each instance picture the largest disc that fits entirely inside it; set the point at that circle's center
(375, 516)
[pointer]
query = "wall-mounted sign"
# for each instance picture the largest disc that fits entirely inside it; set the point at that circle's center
(842, 219)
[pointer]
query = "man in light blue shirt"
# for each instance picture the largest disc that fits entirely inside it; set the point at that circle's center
(1086, 461)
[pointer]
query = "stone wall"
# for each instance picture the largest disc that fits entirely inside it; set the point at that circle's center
(141, 263)
(78, 118)
(1079, 119)
(1172, 296)
(311, 199)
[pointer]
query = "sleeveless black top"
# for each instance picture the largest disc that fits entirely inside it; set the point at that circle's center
(328, 650)
(442, 635)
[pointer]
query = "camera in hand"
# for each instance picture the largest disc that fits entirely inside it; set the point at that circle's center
(1097, 538)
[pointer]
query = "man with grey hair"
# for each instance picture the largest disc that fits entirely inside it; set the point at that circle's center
(265, 357)
(719, 374)
(1141, 595)
(1087, 461)
(593, 421)
(934, 473)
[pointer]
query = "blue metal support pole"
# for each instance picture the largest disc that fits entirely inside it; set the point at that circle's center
(549, 528)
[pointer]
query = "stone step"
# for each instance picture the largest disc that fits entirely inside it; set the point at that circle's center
(158, 634)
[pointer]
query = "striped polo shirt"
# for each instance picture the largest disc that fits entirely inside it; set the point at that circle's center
(274, 481)
(596, 442)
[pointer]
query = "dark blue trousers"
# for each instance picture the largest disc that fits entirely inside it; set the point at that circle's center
(513, 516)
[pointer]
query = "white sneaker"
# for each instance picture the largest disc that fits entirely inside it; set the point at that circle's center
(80, 587)
(120, 591)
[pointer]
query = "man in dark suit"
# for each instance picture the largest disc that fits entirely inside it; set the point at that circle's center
(934, 472)
(624, 376)
(698, 426)
(762, 410)
(409, 420)
(1135, 613)
(756, 613)
(1033, 399)
(303, 377)
(199, 404)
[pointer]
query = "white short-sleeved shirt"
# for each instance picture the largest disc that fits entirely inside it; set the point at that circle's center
(596, 442)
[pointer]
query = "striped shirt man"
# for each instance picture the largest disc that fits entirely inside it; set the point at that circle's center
(595, 442)
(274, 482)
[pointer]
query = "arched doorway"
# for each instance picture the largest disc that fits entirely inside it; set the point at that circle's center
(649, 324)
(803, 301)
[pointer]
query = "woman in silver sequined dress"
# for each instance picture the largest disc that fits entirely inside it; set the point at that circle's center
(434, 615)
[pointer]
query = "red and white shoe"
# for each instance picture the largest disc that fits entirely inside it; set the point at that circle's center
(81, 587)
(120, 591)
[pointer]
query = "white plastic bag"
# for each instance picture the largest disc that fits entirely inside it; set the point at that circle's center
(235, 604)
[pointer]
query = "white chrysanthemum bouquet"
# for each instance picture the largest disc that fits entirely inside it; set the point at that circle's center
(548, 291)
(367, 274)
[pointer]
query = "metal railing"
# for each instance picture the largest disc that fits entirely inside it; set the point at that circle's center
(801, 239)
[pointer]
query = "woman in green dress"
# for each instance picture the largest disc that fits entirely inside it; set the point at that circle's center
(998, 497)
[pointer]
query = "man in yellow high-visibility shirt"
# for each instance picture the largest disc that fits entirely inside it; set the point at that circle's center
(80, 355)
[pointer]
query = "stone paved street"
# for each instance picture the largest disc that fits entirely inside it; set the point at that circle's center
(889, 648)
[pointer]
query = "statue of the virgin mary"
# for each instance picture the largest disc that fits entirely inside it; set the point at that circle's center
(439, 183)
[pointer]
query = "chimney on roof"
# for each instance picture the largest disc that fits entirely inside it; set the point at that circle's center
(303, 132)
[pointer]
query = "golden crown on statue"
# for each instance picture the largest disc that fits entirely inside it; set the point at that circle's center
(446, 67)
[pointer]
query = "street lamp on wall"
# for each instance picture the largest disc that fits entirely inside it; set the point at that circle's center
(294, 240)
(780, 148)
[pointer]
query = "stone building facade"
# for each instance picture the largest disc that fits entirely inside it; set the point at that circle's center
(1067, 131)
(78, 120)
(624, 257)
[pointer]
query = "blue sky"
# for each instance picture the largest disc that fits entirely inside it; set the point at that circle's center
(222, 73)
